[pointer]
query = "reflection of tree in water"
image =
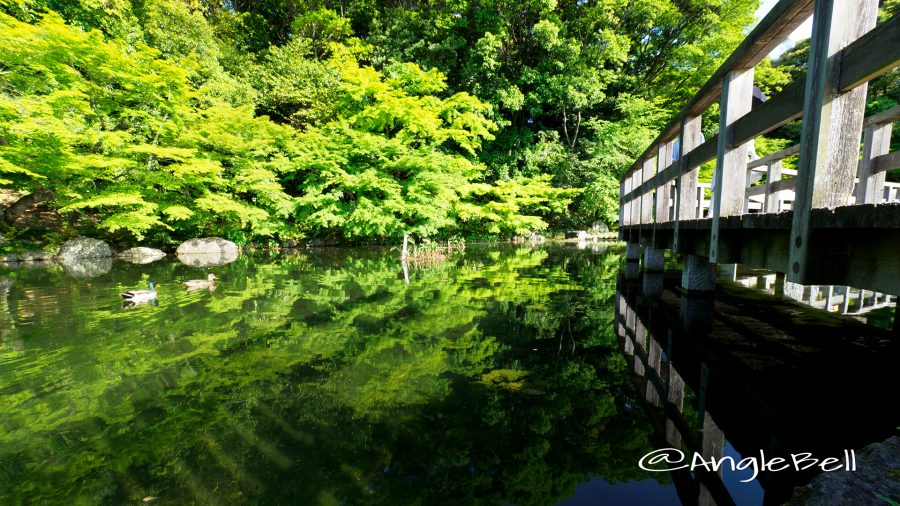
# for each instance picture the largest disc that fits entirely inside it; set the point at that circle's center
(324, 378)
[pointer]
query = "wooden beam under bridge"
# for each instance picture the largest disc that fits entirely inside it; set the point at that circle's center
(852, 245)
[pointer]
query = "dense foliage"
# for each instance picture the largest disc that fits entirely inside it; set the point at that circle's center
(358, 120)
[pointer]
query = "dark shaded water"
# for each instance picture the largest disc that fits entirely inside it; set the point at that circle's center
(323, 378)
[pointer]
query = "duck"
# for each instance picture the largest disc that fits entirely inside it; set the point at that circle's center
(199, 284)
(140, 296)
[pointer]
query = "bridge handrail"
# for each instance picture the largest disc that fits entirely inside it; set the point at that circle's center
(847, 50)
(771, 31)
(780, 109)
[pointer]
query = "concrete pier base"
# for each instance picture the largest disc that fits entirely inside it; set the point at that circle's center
(699, 274)
(778, 285)
(654, 259)
(794, 291)
(632, 252)
(727, 271)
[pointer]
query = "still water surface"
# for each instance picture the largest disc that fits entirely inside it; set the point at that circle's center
(324, 378)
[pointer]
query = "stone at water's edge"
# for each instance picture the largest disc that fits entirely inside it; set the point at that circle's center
(141, 255)
(83, 247)
(877, 474)
(207, 251)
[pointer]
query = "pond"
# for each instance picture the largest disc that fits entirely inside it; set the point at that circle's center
(324, 377)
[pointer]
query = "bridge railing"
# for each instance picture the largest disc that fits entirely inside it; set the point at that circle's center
(847, 50)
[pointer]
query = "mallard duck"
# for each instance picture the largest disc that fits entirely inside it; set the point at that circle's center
(140, 296)
(199, 284)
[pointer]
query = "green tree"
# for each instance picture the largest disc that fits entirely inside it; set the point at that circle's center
(124, 134)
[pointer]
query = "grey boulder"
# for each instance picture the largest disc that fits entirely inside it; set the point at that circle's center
(83, 247)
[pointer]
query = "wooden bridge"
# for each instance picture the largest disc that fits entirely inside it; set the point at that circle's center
(833, 221)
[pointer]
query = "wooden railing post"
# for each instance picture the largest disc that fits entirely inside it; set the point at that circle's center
(686, 204)
(648, 170)
(663, 192)
(730, 178)
(701, 199)
(773, 174)
(636, 201)
(876, 142)
(832, 122)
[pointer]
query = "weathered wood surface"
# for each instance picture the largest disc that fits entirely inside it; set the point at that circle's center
(872, 55)
(832, 122)
(664, 187)
(887, 162)
(771, 114)
(766, 160)
(730, 176)
(647, 174)
(686, 205)
(773, 176)
(876, 142)
(888, 116)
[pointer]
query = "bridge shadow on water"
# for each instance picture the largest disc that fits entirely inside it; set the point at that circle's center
(744, 374)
